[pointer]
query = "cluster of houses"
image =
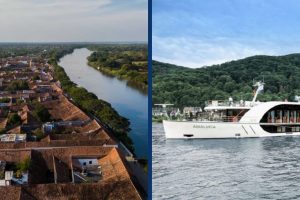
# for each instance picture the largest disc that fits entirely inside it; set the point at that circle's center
(173, 112)
(67, 154)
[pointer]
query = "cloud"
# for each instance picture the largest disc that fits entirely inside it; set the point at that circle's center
(196, 33)
(191, 52)
(53, 8)
(73, 20)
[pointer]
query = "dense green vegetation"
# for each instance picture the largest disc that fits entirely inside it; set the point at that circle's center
(17, 85)
(42, 50)
(192, 87)
(40, 112)
(4, 100)
(13, 119)
(35, 78)
(19, 49)
(90, 103)
(22, 167)
(126, 61)
(38, 133)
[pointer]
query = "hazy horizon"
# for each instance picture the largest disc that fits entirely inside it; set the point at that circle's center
(84, 21)
(76, 42)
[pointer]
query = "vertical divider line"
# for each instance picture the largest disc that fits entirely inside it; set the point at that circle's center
(149, 99)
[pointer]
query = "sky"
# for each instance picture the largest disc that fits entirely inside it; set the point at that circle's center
(196, 33)
(73, 20)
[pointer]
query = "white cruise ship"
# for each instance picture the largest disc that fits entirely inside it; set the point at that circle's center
(240, 120)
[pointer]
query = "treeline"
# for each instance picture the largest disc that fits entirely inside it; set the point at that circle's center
(17, 85)
(42, 50)
(126, 61)
(192, 87)
(89, 102)
(21, 49)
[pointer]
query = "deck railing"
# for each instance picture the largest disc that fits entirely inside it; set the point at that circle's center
(210, 117)
(216, 103)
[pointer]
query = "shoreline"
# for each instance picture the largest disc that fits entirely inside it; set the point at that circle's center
(119, 131)
(143, 88)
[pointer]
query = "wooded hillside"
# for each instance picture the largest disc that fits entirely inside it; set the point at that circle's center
(192, 87)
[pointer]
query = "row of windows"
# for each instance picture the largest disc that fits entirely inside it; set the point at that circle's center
(281, 129)
(282, 114)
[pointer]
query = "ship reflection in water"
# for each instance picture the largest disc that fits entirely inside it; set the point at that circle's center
(253, 168)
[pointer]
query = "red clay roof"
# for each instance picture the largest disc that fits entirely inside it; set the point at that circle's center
(46, 163)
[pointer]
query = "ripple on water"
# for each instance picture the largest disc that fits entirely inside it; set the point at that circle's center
(260, 168)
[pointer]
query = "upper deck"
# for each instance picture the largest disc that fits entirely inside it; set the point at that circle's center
(224, 105)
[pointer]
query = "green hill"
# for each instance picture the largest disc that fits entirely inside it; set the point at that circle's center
(192, 87)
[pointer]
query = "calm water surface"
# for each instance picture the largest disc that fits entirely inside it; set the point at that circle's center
(260, 168)
(129, 102)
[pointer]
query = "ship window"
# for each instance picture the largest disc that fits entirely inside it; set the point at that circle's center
(293, 116)
(281, 129)
(278, 116)
(278, 129)
(285, 118)
(269, 117)
(273, 116)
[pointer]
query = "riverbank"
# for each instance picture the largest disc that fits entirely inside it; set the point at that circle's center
(125, 61)
(128, 102)
(90, 103)
(132, 80)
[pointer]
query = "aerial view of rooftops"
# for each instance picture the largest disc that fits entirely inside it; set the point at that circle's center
(73, 102)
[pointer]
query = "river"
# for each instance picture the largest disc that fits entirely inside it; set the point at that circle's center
(250, 168)
(129, 102)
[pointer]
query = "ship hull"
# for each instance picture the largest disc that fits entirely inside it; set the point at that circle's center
(206, 130)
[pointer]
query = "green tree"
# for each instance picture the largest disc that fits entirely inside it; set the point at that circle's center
(40, 112)
(24, 165)
(192, 87)
(17, 85)
(14, 119)
(39, 134)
